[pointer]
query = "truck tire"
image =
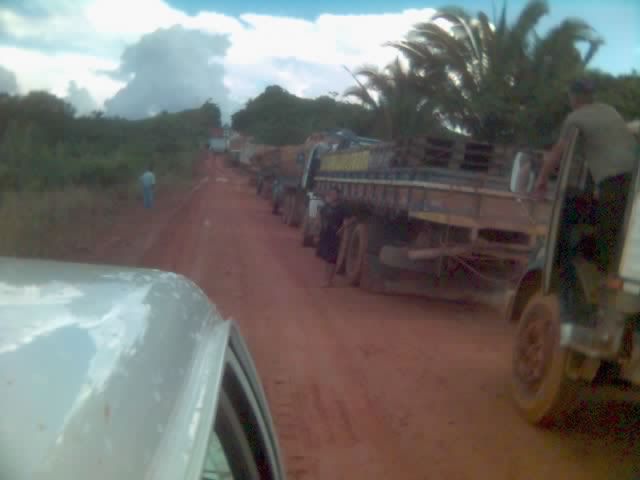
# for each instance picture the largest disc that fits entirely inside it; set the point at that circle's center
(541, 390)
(286, 213)
(291, 211)
(286, 209)
(356, 252)
(283, 209)
(307, 238)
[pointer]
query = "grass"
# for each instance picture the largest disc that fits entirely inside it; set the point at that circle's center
(62, 223)
(49, 224)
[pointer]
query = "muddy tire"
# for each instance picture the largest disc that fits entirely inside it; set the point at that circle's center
(284, 209)
(540, 388)
(355, 254)
(306, 237)
(290, 211)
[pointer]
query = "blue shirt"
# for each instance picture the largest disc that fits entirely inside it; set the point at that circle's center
(148, 179)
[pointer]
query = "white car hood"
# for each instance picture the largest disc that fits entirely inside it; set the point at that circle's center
(98, 368)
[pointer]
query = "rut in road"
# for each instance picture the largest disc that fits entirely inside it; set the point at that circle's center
(367, 386)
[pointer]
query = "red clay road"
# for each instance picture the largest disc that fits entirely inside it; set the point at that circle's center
(367, 386)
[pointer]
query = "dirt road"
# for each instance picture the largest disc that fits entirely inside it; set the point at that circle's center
(373, 387)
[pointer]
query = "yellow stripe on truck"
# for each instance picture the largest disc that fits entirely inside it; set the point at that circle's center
(345, 162)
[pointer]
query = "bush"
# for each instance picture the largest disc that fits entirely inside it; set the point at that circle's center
(44, 147)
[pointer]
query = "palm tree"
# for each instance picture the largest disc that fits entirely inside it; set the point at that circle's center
(399, 106)
(492, 77)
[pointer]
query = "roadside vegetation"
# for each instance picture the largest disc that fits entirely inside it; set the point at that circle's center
(490, 78)
(63, 177)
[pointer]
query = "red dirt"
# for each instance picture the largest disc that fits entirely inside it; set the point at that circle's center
(366, 386)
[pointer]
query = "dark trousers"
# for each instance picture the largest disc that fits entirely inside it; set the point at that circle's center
(606, 214)
(609, 216)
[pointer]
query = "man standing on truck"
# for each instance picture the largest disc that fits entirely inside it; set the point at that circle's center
(608, 148)
(333, 217)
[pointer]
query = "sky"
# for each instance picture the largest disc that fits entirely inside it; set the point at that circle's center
(134, 58)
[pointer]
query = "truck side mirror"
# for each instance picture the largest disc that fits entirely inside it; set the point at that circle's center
(522, 174)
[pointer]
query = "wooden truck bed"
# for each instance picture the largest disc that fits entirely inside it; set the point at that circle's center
(452, 183)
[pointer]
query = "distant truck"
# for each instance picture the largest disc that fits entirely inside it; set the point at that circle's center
(274, 168)
(296, 188)
(218, 141)
(286, 176)
(264, 165)
(446, 217)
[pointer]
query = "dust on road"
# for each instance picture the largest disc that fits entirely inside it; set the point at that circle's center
(367, 386)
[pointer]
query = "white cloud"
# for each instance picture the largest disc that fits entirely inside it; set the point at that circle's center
(81, 99)
(302, 56)
(171, 69)
(53, 72)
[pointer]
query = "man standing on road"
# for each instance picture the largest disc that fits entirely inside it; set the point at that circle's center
(333, 216)
(148, 180)
(608, 148)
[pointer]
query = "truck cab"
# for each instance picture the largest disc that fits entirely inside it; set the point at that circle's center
(581, 329)
(309, 202)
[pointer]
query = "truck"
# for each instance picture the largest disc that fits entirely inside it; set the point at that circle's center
(296, 195)
(286, 175)
(264, 164)
(578, 325)
(218, 141)
(448, 217)
(456, 219)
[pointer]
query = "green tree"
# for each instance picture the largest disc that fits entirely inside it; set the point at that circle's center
(499, 81)
(394, 96)
(277, 117)
(43, 146)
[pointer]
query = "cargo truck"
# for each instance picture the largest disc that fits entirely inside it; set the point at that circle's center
(297, 196)
(459, 217)
(442, 216)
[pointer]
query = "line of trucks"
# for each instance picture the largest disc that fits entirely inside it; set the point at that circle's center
(454, 218)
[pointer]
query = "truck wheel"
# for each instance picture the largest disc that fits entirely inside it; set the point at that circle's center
(356, 251)
(285, 208)
(307, 238)
(291, 212)
(541, 390)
